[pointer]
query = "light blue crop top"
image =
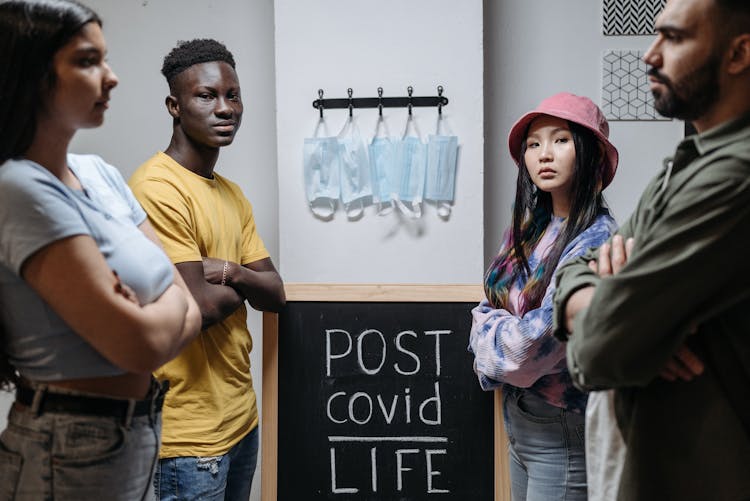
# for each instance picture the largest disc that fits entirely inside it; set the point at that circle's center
(37, 209)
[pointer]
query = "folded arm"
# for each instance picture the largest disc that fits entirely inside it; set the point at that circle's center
(258, 282)
(520, 350)
(215, 301)
(72, 276)
(511, 349)
(677, 276)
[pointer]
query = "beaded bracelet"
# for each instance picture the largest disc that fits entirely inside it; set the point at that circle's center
(224, 273)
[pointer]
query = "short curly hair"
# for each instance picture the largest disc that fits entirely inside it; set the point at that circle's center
(192, 52)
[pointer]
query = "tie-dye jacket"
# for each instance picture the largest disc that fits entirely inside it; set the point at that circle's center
(522, 351)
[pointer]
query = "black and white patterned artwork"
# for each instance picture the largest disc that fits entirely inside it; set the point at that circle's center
(631, 17)
(625, 91)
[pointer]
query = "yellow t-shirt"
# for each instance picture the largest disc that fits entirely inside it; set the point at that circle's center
(211, 404)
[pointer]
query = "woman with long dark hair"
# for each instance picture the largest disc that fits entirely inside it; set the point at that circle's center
(90, 303)
(564, 160)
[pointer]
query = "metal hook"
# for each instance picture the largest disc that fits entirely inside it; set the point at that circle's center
(351, 105)
(380, 101)
(440, 103)
(409, 90)
(320, 102)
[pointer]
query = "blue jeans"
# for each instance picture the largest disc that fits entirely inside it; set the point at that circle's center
(65, 456)
(546, 449)
(212, 478)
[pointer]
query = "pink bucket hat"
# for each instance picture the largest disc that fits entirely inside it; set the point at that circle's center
(578, 109)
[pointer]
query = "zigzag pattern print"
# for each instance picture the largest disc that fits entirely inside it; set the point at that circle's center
(631, 17)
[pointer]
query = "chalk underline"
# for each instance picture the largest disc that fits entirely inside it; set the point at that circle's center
(386, 439)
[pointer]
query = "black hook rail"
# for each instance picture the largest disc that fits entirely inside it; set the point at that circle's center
(380, 101)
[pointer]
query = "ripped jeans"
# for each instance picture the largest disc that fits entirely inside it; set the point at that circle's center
(209, 478)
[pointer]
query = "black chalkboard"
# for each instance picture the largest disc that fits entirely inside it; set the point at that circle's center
(378, 401)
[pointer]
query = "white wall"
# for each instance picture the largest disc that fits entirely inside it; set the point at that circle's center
(533, 49)
(336, 44)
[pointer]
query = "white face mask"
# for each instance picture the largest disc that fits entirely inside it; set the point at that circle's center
(411, 164)
(356, 187)
(411, 158)
(442, 154)
(384, 175)
(321, 167)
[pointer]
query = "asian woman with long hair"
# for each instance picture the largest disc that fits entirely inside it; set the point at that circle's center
(564, 161)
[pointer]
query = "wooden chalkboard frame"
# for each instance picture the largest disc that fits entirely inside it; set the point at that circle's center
(302, 292)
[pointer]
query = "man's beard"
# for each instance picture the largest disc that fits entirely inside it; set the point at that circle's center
(690, 97)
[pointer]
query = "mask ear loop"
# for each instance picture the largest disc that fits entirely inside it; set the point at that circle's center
(320, 103)
(440, 111)
(321, 121)
(346, 129)
(351, 103)
(355, 208)
(410, 118)
(383, 207)
(443, 207)
(412, 210)
(326, 212)
(381, 119)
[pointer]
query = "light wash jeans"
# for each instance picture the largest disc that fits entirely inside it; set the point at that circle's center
(212, 478)
(546, 449)
(61, 456)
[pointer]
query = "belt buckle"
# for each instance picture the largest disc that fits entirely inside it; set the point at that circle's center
(129, 413)
(37, 402)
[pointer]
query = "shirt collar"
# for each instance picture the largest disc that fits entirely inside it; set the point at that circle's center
(721, 135)
(717, 137)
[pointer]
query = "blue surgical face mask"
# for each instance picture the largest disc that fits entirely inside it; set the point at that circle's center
(442, 153)
(382, 168)
(321, 167)
(411, 160)
(356, 187)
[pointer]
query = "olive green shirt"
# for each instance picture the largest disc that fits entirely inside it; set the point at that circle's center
(687, 281)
